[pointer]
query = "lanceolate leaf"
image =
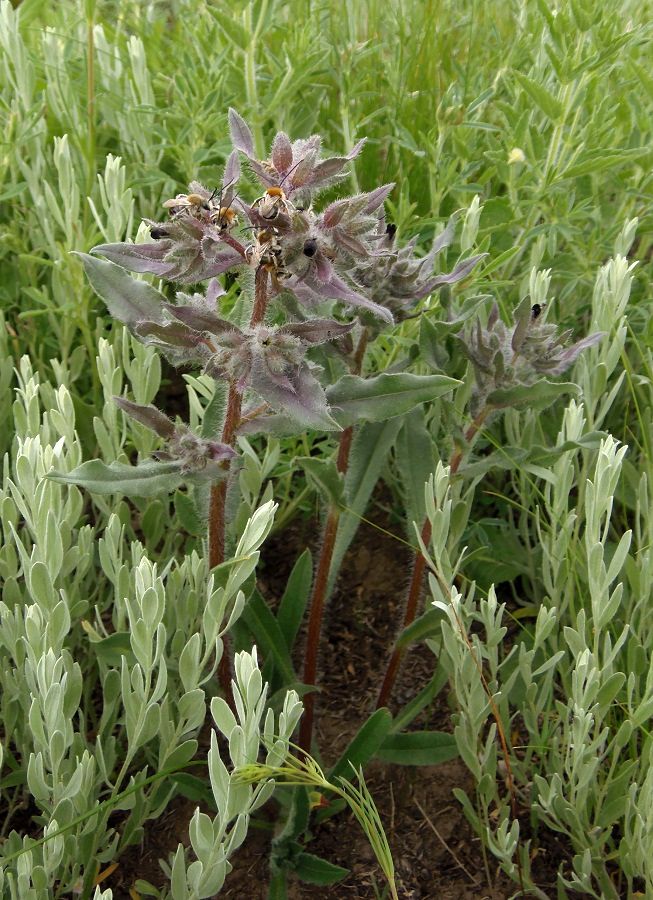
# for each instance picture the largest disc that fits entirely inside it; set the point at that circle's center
(146, 480)
(241, 136)
(128, 300)
(364, 745)
(355, 399)
(419, 748)
(461, 271)
(323, 473)
(175, 334)
(369, 452)
(535, 396)
(315, 870)
(295, 598)
(305, 402)
(148, 257)
(267, 634)
(149, 416)
(416, 451)
(200, 319)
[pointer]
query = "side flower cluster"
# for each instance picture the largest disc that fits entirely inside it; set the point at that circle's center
(519, 354)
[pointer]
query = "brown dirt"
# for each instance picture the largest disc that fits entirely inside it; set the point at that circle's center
(436, 853)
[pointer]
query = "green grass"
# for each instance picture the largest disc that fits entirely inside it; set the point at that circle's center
(125, 102)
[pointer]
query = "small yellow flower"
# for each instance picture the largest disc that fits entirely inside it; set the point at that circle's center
(516, 155)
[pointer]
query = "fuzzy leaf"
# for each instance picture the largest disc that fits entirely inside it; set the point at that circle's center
(337, 289)
(175, 334)
(230, 178)
(571, 354)
(460, 271)
(534, 396)
(145, 480)
(522, 317)
(281, 152)
(128, 300)
(333, 214)
(149, 416)
(317, 331)
(382, 397)
(377, 197)
(305, 402)
(200, 319)
(241, 136)
(148, 257)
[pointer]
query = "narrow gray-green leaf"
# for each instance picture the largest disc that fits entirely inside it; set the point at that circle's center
(416, 458)
(128, 300)
(419, 748)
(534, 396)
(369, 452)
(325, 476)
(353, 399)
(145, 480)
(550, 105)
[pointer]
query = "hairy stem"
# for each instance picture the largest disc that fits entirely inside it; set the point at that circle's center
(315, 626)
(320, 585)
(218, 500)
(414, 593)
(417, 577)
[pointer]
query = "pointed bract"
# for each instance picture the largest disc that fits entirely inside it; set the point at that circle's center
(241, 136)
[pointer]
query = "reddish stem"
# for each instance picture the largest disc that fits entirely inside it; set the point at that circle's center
(415, 588)
(414, 593)
(320, 586)
(218, 501)
(315, 625)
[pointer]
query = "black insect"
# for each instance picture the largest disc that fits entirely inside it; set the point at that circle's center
(536, 310)
(158, 233)
(310, 247)
(391, 230)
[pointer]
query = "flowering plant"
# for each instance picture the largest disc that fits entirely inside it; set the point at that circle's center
(313, 288)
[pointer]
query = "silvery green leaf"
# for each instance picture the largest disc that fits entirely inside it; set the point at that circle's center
(146, 257)
(281, 152)
(174, 334)
(353, 399)
(200, 319)
(241, 136)
(303, 400)
(445, 238)
(145, 480)
(128, 300)
(523, 317)
(230, 178)
(534, 396)
(149, 416)
(459, 272)
(369, 453)
(317, 331)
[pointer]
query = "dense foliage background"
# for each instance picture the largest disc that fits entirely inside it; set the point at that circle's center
(544, 115)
